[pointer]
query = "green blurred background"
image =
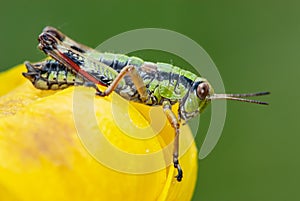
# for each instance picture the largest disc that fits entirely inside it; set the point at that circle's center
(255, 45)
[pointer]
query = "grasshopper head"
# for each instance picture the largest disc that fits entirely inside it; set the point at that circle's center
(201, 93)
(196, 99)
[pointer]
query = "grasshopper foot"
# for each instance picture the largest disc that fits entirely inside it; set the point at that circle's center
(179, 172)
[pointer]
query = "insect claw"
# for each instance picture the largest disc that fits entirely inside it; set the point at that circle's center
(100, 93)
(180, 172)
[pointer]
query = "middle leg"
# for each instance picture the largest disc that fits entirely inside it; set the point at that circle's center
(175, 124)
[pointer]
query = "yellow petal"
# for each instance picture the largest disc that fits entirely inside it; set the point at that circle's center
(46, 155)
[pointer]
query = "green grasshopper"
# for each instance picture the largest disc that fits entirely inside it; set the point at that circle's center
(132, 78)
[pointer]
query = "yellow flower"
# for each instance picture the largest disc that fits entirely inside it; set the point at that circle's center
(45, 155)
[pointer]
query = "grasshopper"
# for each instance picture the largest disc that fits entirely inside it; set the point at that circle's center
(153, 84)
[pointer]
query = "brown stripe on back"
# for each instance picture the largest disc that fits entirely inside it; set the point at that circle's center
(149, 67)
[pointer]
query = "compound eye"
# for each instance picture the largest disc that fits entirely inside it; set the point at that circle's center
(202, 90)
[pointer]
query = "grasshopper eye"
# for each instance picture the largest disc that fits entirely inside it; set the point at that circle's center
(202, 90)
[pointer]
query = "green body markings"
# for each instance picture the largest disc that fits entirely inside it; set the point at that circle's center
(52, 75)
(132, 78)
